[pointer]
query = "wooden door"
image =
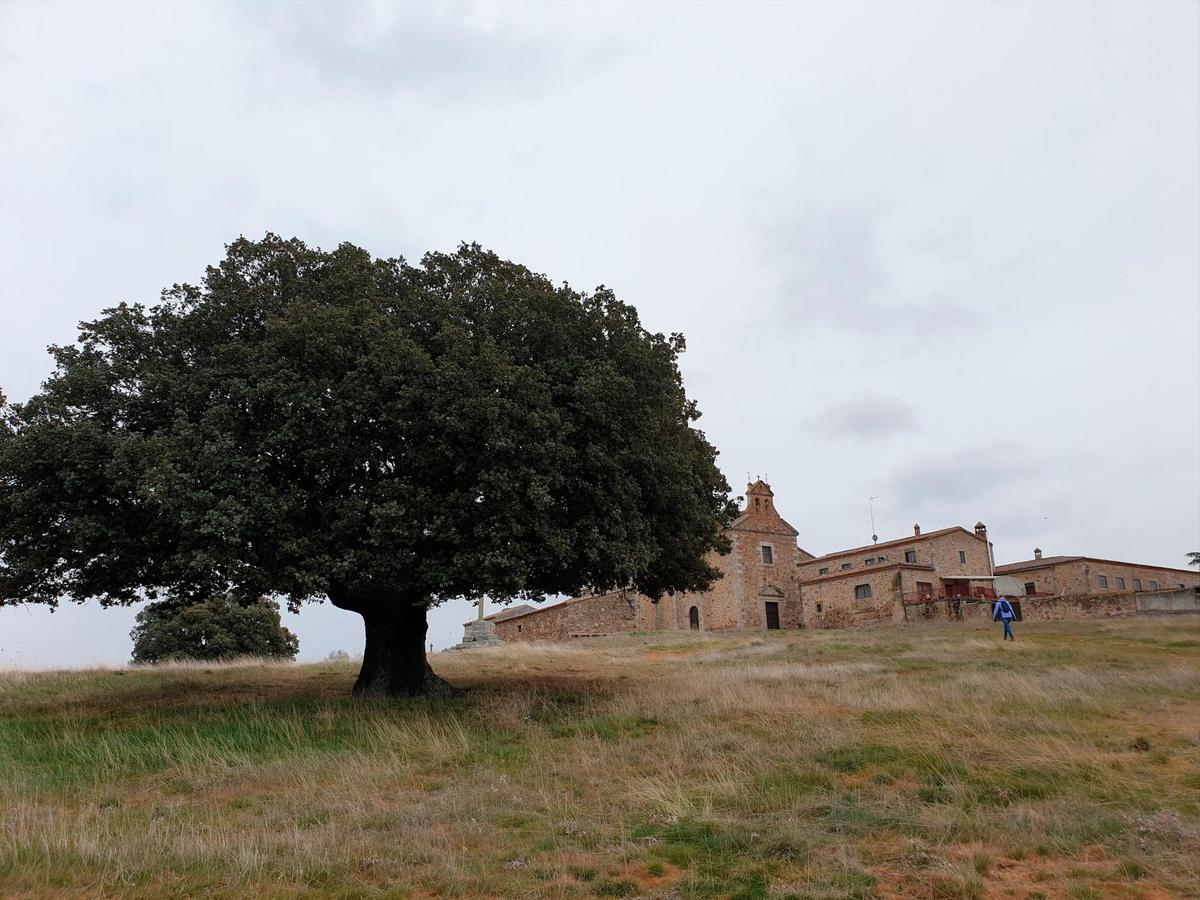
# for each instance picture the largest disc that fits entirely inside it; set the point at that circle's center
(772, 616)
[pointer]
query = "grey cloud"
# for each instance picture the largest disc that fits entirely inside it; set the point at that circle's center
(866, 415)
(831, 267)
(965, 474)
(450, 51)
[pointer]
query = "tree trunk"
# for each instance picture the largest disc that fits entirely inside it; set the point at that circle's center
(394, 663)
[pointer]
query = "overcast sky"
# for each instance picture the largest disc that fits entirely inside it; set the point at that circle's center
(947, 255)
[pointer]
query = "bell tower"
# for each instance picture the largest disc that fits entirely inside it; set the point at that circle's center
(760, 500)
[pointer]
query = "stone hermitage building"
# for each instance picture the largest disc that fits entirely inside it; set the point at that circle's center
(768, 582)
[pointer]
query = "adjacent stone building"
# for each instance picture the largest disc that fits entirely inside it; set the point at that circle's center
(872, 583)
(1069, 576)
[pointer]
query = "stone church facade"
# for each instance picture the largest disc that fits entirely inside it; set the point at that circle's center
(758, 590)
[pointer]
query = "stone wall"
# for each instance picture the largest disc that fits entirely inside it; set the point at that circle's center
(1057, 609)
(1080, 606)
(830, 602)
(1185, 601)
(947, 611)
(613, 613)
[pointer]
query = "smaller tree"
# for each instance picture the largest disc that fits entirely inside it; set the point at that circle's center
(215, 629)
(1194, 558)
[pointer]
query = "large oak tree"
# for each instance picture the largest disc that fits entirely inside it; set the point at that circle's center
(318, 425)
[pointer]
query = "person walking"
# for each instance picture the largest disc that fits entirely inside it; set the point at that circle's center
(1003, 612)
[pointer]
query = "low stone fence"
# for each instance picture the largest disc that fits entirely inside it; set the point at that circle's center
(1057, 609)
(1185, 601)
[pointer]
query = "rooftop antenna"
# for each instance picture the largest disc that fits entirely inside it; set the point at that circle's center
(871, 507)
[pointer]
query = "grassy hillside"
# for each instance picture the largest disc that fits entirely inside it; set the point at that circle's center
(927, 762)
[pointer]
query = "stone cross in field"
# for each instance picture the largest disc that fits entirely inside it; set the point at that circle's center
(479, 633)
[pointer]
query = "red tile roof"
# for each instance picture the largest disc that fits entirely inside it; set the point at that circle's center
(913, 539)
(1047, 561)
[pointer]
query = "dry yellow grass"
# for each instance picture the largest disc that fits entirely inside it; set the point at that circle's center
(923, 762)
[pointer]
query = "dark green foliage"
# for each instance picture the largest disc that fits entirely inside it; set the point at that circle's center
(388, 436)
(220, 628)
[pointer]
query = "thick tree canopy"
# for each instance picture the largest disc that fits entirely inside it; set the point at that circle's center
(220, 628)
(388, 436)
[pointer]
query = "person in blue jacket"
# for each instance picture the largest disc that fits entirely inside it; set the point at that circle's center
(1003, 612)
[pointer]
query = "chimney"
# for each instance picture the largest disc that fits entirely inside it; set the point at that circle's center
(917, 530)
(981, 530)
(1037, 552)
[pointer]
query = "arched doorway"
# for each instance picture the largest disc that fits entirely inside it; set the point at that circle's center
(694, 618)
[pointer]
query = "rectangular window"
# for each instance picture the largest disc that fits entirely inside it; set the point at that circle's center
(823, 571)
(1104, 582)
(1153, 585)
(862, 592)
(962, 556)
(768, 554)
(870, 562)
(1120, 583)
(910, 556)
(845, 565)
(1137, 584)
(1030, 588)
(925, 588)
(818, 607)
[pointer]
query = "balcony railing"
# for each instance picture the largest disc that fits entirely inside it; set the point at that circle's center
(953, 592)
